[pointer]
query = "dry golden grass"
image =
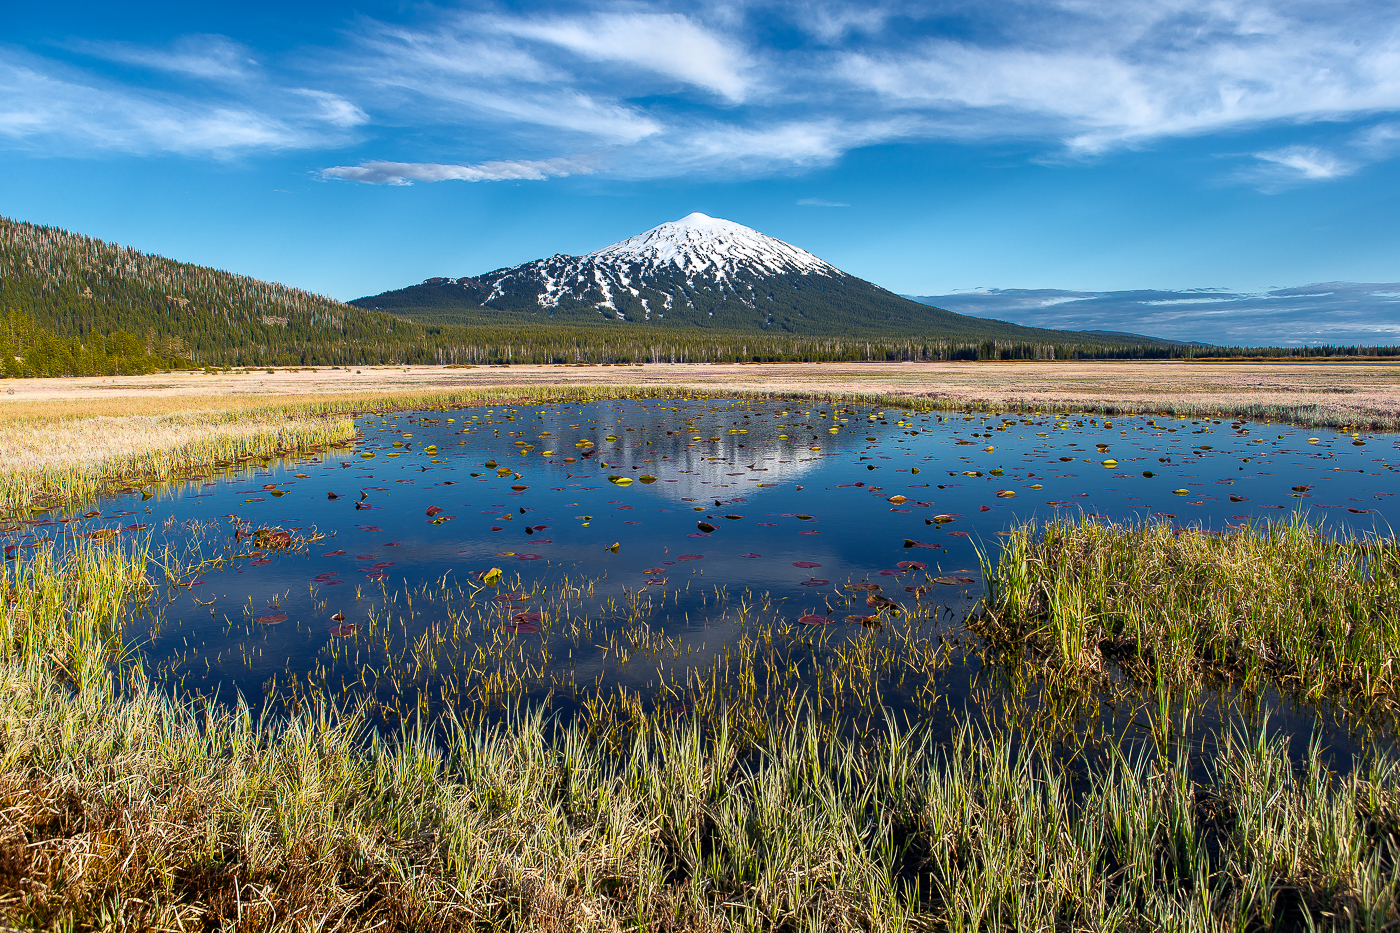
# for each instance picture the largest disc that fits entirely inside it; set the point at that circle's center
(69, 438)
(60, 459)
(1365, 393)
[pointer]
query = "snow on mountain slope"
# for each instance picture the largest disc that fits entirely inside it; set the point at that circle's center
(698, 244)
(699, 271)
(682, 265)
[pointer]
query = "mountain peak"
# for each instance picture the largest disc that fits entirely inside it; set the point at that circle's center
(711, 247)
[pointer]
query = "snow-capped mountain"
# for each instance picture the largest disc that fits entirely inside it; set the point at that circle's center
(697, 271)
(655, 273)
(702, 246)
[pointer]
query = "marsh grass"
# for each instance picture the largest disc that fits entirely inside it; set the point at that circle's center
(47, 464)
(1280, 605)
(123, 809)
(435, 648)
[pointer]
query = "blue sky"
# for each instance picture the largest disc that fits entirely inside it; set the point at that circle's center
(934, 148)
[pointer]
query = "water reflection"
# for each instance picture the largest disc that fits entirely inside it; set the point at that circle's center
(642, 611)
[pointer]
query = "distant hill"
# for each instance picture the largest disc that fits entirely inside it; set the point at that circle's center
(76, 286)
(700, 273)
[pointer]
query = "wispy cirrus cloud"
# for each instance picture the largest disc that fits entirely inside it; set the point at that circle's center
(667, 44)
(1082, 78)
(1289, 166)
(1097, 76)
(1307, 162)
(210, 57)
(406, 173)
(58, 108)
(1276, 169)
(659, 88)
(40, 109)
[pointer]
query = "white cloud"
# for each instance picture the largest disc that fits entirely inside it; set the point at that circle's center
(1324, 312)
(832, 22)
(199, 56)
(1306, 162)
(333, 108)
(406, 173)
(1083, 77)
(45, 107)
(1099, 76)
(465, 71)
(1380, 141)
(653, 88)
(665, 43)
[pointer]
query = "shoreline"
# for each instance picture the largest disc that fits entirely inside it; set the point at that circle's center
(74, 438)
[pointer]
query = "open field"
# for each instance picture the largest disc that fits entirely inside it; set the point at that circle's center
(1363, 394)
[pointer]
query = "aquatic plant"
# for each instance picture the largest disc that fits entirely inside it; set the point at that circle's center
(125, 810)
(1280, 603)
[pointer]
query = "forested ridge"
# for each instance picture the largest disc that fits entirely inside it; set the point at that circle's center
(77, 286)
(75, 305)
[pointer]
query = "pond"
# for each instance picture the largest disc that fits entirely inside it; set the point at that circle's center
(629, 560)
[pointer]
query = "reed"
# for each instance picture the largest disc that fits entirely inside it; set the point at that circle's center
(49, 463)
(124, 809)
(1279, 604)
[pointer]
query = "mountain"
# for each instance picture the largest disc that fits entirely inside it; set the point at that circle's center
(696, 272)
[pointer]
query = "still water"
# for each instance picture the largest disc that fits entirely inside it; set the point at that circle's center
(649, 545)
